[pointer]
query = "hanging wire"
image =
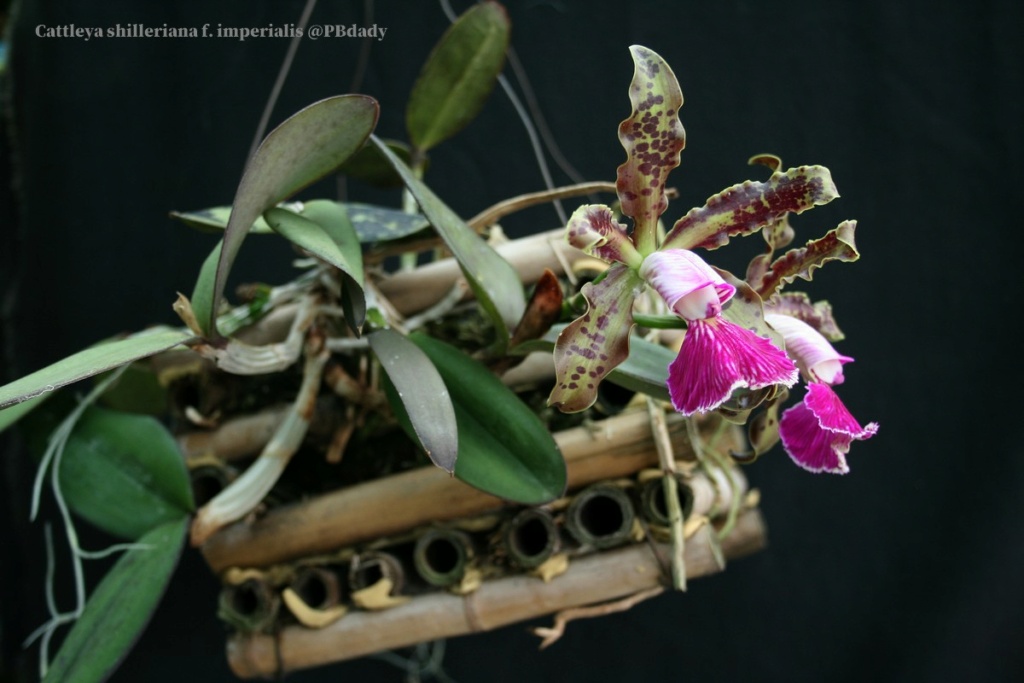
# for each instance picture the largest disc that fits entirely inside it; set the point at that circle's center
(524, 117)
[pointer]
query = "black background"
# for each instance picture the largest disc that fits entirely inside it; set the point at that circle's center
(907, 569)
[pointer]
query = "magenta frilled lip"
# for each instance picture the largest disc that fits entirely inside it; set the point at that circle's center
(718, 357)
(680, 277)
(817, 432)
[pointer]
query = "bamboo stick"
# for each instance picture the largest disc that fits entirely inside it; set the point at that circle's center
(595, 578)
(414, 290)
(616, 447)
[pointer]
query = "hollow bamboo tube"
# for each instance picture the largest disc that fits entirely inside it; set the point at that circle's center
(414, 290)
(591, 579)
(616, 447)
(236, 438)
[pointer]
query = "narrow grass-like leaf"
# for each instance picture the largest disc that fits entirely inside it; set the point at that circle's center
(124, 473)
(458, 76)
(423, 393)
(120, 607)
(493, 280)
(89, 362)
(653, 137)
(745, 208)
(304, 148)
(504, 448)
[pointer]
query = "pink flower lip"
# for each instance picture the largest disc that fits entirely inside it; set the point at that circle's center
(718, 357)
(817, 432)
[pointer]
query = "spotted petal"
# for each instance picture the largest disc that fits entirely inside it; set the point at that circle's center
(653, 138)
(746, 208)
(718, 357)
(592, 228)
(817, 433)
(595, 343)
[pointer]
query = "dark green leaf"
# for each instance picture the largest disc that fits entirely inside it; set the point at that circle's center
(120, 607)
(646, 369)
(137, 390)
(370, 167)
(493, 280)
(423, 395)
(458, 76)
(89, 362)
(304, 148)
(379, 224)
(124, 473)
(504, 448)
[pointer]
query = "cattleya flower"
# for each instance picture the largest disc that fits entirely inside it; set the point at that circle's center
(817, 433)
(717, 355)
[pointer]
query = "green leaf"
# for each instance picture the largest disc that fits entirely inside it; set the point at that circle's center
(646, 369)
(380, 224)
(493, 280)
(423, 395)
(653, 137)
(119, 609)
(215, 219)
(137, 390)
(370, 167)
(89, 362)
(304, 148)
(124, 473)
(836, 245)
(372, 223)
(746, 208)
(458, 76)
(202, 294)
(504, 448)
(316, 239)
(334, 219)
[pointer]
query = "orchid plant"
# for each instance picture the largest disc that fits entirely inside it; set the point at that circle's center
(730, 354)
(745, 343)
